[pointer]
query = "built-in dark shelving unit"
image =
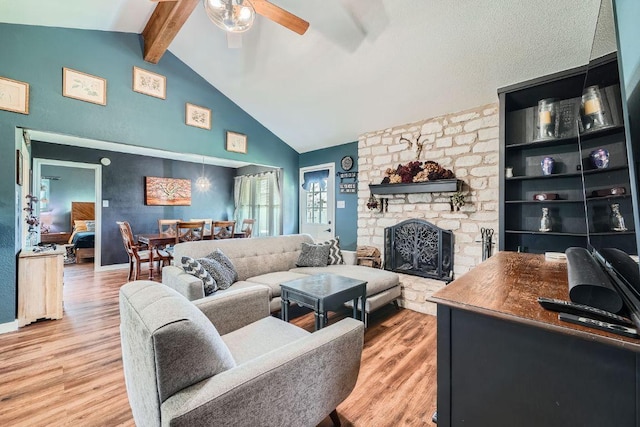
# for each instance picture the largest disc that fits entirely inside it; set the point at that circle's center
(576, 216)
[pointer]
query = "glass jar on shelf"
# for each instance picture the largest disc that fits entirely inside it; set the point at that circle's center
(592, 109)
(547, 114)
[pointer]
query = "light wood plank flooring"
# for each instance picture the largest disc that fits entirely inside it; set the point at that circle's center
(68, 372)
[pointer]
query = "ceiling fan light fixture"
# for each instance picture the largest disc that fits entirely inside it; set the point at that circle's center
(235, 16)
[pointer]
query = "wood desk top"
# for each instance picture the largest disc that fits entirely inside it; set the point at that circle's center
(507, 286)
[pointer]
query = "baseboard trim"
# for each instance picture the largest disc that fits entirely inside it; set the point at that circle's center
(112, 267)
(8, 327)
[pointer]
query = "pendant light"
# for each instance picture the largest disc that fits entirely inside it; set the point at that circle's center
(202, 183)
(234, 16)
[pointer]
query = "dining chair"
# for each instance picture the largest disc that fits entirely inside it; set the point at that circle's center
(208, 224)
(168, 226)
(138, 255)
(247, 228)
(223, 229)
(189, 231)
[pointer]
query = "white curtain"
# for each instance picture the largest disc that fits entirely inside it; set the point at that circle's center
(258, 197)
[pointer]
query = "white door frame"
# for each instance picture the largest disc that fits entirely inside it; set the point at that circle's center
(37, 173)
(331, 209)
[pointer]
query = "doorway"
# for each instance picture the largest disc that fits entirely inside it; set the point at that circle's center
(57, 184)
(317, 201)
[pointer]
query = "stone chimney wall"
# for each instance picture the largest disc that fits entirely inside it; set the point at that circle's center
(465, 142)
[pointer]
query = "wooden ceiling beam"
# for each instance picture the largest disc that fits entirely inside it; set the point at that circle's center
(165, 22)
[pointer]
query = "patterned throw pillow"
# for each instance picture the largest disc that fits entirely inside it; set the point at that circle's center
(219, 256)
(223, 275)
(313, 255)
(91, 225)
(196, 269)
(335, 254)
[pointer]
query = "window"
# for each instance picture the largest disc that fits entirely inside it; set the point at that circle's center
(317, 202)
(258, 197)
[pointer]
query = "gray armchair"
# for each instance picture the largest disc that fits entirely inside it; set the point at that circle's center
(250, 369)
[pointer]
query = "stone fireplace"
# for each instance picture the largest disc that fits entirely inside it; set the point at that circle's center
(465, 142)
(419, 248)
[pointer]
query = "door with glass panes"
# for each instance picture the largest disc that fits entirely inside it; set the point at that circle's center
(317, 199)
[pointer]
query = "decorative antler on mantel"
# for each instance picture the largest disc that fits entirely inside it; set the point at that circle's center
(419, 145)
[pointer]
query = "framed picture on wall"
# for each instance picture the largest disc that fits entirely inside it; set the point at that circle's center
(236, 142)
(197, 116)
(149, 83)
(14, 96)
(85, 87)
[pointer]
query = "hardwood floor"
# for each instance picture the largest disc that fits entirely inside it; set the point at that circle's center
(68, 372)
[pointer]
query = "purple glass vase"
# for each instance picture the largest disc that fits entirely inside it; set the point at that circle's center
(547, 165)
(600, 158)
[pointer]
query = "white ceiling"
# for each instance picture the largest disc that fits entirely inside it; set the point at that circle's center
(363, 65)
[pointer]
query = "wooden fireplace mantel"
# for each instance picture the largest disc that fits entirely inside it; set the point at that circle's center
(438, 186)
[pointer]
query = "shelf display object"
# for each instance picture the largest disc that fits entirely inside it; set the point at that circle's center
(556, 131)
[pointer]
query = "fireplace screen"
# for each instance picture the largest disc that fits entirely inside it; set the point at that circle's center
(417, 247)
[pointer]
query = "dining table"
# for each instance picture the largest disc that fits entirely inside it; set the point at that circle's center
(154, 242)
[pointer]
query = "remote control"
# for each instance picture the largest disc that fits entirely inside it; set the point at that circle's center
(592, 323)
(554, 304)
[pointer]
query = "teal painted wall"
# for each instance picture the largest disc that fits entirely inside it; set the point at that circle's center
(36, 55)
(346, 218)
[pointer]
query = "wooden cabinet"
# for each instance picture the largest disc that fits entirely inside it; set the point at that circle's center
(59, 238)
(574, 218)
(40, 280)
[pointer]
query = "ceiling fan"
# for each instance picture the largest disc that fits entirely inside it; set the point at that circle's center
(237, 16)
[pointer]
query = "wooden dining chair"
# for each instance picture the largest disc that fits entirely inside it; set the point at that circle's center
(223, 229)
(138, 255)
(168, 226)
(208, 226)
(247, 227)
(189, 231)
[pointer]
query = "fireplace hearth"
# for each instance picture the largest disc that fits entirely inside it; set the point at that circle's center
(419, 248)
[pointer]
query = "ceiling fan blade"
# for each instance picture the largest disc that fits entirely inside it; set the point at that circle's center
(280, 16)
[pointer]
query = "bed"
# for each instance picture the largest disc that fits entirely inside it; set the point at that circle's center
(83, 230)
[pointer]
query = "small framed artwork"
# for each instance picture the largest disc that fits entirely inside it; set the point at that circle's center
(85, 87)
(19, 166)
(197, 116)
(236, 142)
(14, 96)
(149, 83)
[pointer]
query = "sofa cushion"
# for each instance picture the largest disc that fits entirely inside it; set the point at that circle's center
(223, 275)
(377, 280)
(219, 256)
(313, 255)
(195, 268)
(261, 337)
(335, 254)
(273, 280)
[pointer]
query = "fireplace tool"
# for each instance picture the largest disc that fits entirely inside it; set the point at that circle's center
(487, 244)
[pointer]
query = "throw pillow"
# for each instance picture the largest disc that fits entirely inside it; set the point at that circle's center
(335, 254)
(91, 225)
(219, 256)
(313, 255)
(220, 273)
(195, 268)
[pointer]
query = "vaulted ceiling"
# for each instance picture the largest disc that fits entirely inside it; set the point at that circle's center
(363, 65)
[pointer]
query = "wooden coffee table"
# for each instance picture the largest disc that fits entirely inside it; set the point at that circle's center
(322, 293)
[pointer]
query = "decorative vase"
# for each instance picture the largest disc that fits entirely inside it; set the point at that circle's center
(547, 165)
(545, 221)
(32, 239)
(546, 118)
(616, 219)
(600, 158)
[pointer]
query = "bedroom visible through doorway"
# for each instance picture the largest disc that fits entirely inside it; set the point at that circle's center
(69, 215)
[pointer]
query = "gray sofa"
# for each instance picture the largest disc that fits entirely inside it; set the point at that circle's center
(225, 361)
(270, 261)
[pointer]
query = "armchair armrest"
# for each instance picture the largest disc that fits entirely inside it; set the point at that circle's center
(233, 309)
(301, 383)
(190, 286)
